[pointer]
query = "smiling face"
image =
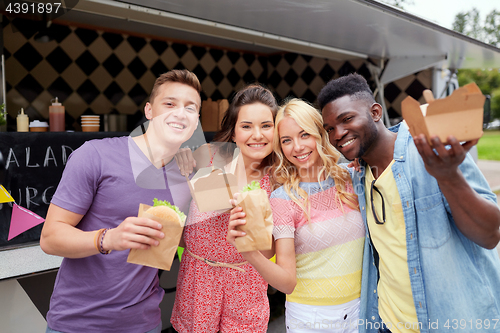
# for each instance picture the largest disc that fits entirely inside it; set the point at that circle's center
(174, 112)
(299, 147)
(254, 133)
(351, 125)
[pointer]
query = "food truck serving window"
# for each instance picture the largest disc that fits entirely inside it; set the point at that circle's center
(33, 165)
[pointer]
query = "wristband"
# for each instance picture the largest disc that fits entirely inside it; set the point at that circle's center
(101, 250)
(97, 237)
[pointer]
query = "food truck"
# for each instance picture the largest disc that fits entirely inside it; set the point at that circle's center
(101, 57)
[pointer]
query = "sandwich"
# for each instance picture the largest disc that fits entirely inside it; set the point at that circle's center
(172, 220)
(165, 210)
(259, 219)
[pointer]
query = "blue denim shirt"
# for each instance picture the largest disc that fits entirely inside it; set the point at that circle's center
(455, 282)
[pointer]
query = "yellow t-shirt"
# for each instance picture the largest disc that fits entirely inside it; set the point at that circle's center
(396, 307)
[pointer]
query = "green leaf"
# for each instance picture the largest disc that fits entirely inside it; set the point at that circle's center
(254, 185)
(157, 202)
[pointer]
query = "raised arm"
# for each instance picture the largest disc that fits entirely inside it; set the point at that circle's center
(185, 161)
(282, 274)
(476, 217)
(61, 237)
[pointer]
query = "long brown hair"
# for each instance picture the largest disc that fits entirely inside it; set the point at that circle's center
(251, 94)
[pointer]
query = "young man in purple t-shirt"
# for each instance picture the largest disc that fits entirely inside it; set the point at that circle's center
(93, 213)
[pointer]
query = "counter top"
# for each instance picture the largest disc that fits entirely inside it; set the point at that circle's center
(26, 260)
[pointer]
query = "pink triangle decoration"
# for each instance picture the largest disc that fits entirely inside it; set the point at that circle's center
(22, 219)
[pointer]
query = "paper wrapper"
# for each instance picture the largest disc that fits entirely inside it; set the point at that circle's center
(259, 218)
(212, 187)
(160, 256)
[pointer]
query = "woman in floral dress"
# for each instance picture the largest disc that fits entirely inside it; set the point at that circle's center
(216, 289)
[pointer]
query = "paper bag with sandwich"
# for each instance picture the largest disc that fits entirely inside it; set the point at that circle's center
(259, 219)
(172, 220)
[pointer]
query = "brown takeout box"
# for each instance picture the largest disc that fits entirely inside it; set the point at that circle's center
(209, 115)
(213, 187)
(459, 115)
(212, 113)
(259, 222)
(160, 256)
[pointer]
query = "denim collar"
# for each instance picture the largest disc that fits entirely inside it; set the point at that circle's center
(401, 144)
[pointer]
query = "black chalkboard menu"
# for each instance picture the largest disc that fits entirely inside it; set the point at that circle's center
(34, 163)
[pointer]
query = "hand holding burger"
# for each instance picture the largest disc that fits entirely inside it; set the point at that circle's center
(172, 219)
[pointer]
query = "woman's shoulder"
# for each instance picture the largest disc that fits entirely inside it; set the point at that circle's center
(265, 181)
(345, 166)
(280, 193)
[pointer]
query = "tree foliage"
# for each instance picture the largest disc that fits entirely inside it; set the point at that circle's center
(488, 80)
(492, 28)
(470, 24)
(488, 31)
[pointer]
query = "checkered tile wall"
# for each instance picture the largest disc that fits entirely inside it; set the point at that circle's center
(412, 85)
(99, 72)
(303, 76)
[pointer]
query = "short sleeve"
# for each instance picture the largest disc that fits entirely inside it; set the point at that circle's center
(283, 214)
(79, 181)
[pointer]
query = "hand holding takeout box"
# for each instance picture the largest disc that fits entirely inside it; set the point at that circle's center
(459, 115)
(212, 187)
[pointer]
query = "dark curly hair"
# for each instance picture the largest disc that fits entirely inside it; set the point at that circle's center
(353, 85)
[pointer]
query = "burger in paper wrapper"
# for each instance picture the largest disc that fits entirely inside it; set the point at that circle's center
(259, 220)
(172, 220)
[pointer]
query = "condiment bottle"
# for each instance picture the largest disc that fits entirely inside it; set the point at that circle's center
(22, 121)
(56, 117)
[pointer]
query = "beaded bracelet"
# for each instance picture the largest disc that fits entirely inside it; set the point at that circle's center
(101, 250)
(97, 236)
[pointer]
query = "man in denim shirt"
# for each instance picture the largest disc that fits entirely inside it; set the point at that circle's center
(431, 219)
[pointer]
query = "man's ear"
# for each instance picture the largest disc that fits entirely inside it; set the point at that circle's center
(376, 112)
(148, 112)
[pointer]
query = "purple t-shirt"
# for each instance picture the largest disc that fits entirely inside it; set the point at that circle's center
(104, 293)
